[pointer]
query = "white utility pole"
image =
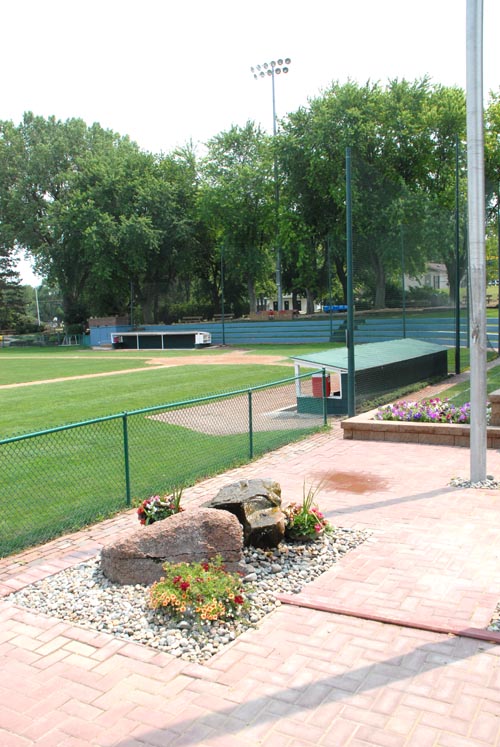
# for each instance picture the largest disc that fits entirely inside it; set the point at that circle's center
(477, 256)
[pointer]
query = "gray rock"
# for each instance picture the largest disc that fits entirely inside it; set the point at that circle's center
(190, 536)
(257, 506)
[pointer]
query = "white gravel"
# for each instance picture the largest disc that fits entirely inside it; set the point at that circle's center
(82, 595)
(461, 482)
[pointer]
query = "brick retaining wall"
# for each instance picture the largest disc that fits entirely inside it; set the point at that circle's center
(364, 427)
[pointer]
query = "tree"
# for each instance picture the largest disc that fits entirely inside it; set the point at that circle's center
(169, 199)
(12, 301)
(401, 139)
(237, 203)
(69, 197)
(492, 169)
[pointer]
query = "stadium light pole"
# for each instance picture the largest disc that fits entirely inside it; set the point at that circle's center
(477, 256)
(37, 306)
(271, 70)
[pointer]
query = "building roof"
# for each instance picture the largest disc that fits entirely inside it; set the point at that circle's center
(369, 355)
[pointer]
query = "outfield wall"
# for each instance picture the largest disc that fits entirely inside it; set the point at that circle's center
(440, 330)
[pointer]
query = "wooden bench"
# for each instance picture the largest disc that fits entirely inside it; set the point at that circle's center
(227, 317)
(191, 319)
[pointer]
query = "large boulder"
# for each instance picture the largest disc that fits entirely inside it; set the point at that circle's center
(191, 536)
(257, 505)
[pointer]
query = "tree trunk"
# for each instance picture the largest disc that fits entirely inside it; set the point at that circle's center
(252, 297)
(310, 302)
(148, 303)
(342, 276)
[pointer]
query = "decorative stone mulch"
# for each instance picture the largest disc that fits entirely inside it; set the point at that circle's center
(83, 596)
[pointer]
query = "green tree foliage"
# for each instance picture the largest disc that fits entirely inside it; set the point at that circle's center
(402, 143)
(12, 301)
(63, 199)
(492, 169)
(98, 215)
(492, 164)
(169, 199)
(113, 227)
(236, 203)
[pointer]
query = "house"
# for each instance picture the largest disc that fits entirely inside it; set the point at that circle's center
(435, 276)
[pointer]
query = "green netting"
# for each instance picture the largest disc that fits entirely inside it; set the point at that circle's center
(61, 479)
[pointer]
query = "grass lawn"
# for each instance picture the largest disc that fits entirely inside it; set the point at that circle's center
(78, 475)
(460, 393)
(33, 408)
(15, 370)
(37, 364)
(288, 350)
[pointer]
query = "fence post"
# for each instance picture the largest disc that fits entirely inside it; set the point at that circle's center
(250, 424)
(126, 459)
(325, 404)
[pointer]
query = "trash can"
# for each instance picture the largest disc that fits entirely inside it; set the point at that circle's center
(317, 385)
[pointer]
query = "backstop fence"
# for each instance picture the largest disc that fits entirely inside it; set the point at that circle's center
(61, 479)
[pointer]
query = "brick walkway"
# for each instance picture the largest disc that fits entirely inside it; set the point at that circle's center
(365, 665)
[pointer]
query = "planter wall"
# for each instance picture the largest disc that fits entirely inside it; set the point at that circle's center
(364, 427)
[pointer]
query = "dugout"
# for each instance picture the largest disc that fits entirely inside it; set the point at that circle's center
(380, 368)
(164, 340)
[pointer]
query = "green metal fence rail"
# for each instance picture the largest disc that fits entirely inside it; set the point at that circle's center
(61, 479)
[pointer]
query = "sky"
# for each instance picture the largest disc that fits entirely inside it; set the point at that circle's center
(166, 73)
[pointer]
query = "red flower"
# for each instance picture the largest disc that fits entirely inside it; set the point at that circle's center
(185, 585)
(239, 599)
(176, 579)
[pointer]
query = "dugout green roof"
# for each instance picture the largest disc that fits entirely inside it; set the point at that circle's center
(370, 354)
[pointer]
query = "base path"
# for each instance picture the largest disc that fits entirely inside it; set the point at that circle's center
(360, 664)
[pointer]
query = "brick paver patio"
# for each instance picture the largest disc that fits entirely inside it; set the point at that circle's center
(369, 668)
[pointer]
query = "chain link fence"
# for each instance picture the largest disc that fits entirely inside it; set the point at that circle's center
(61, 479)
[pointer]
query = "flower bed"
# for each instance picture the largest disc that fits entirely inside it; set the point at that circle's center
(427, 422)
(433, 410)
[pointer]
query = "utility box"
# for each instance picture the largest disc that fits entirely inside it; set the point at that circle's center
(317, 385)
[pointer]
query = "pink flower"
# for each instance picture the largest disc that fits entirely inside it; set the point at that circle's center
(318, 527)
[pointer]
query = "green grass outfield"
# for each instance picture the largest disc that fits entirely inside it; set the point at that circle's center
(38, 406)
(34, 407)
(72, 477)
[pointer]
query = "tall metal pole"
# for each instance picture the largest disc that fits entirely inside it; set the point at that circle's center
(351, 389)
(477, 257)
(222, 293)
(279, 287)
(271, 69)
(329, 268)
(403, 278)
(37, 306)
(457, 260)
